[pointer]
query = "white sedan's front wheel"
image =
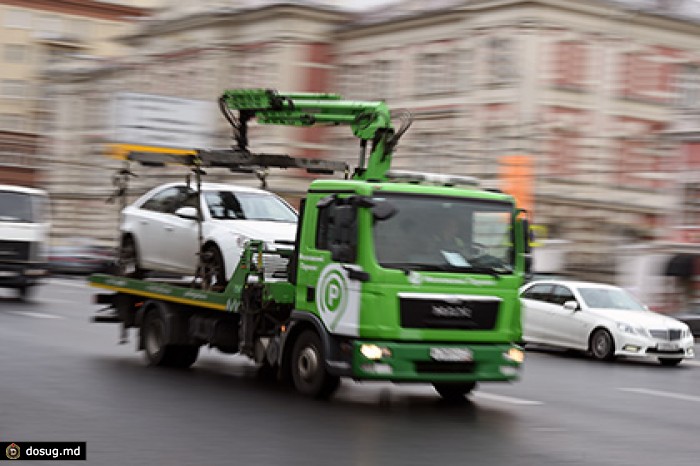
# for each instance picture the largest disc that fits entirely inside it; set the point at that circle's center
(602, 345)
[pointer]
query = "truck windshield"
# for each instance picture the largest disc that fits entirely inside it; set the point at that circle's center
(445, 234)
(20, 207)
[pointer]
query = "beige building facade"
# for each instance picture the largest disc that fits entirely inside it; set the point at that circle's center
(34, 35)
(584, 92)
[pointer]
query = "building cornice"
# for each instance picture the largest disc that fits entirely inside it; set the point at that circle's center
(156, 27)
(89, 8)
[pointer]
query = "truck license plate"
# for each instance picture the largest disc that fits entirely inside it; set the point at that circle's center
(451, 354)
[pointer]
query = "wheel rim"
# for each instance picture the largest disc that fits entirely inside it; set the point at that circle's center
(601, 345)
(212, 269)
(307, 364)
(154, 338)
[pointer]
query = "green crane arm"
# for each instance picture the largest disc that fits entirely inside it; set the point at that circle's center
(369, 121)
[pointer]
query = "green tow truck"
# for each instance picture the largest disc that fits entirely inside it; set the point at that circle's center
(396, 276)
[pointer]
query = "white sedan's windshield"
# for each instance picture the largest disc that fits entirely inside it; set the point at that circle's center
(609, 298)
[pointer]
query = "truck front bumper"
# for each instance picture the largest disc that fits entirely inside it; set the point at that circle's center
(435, 362)
(22, 275)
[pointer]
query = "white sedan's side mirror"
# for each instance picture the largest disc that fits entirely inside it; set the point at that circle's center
(187, 212)
(571, 306)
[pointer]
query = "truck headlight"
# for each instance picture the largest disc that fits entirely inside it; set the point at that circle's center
(374, 352)
(515, 355)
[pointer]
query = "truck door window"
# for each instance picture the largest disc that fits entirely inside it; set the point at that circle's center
(336, 231)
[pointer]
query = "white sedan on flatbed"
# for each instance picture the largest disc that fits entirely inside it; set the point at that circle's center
(604, 320)
(161, 230)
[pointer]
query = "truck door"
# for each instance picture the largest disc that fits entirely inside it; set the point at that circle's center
(328, 267)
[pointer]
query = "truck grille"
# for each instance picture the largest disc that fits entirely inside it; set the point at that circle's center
(11, 251)
(438, 312)
(666, 335)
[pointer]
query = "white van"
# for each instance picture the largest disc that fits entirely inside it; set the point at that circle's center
(24, 236)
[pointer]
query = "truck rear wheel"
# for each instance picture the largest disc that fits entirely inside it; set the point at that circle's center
(309, 373)
(158, 351)
(454, 392)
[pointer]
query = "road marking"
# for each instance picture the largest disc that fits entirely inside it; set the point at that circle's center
(506, 399)
(691, 363)
(68, 282)
(37, 315)
(676, 396)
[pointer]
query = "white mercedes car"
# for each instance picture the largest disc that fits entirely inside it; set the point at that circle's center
(604, 320)
(160, 231)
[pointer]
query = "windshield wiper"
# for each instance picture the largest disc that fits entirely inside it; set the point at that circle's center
(407, 267)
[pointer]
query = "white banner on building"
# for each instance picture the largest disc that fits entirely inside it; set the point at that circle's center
(160, 121)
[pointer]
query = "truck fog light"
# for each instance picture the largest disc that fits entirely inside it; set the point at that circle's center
(374, 352)
(508, 370)
(377, 368)
(515, 355)
(690, 352)
(631, 348)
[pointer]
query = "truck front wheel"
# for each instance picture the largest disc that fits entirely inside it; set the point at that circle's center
(454, 392)
(308, 367)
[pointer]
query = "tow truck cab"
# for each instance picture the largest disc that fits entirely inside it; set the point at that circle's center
(372, 270)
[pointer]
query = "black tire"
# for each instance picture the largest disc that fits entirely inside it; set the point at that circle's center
(454, 392)
(670, 362)
(602, 345)
(267, 372)
(212, 270)
(153, 333)
(128, 263)
(182, 356)
(309, 373)
(25, 292)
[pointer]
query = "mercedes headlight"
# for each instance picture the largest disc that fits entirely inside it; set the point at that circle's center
(627, 328)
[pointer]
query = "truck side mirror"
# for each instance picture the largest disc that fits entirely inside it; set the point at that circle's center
(384, 210)
(527, 235)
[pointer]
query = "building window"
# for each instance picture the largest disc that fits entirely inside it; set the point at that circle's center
(11, 122)
(688, 87)
(15, 53)
(643, 76)
(18, 19)
(349, 78)
(13, 88)
(501, 60)
(381, 81)
(434, 73)
(464, 62)
(49, 25)
(570, 64)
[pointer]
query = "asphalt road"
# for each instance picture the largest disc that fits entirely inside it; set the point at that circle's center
(63, 378)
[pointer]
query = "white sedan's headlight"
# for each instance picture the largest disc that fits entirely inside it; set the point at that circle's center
(241, 241)
(627, 328)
